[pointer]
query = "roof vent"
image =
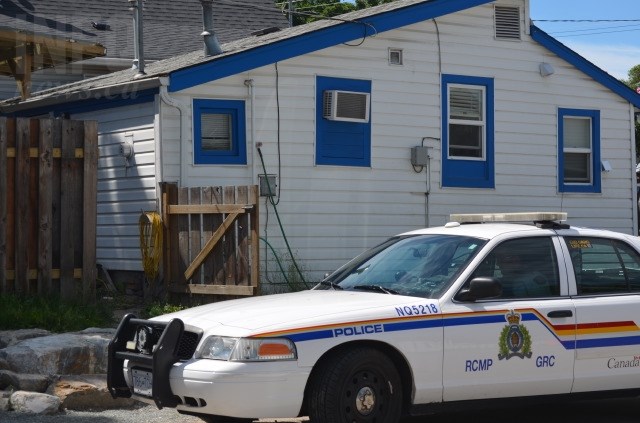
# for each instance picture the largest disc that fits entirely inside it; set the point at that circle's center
(507, 23)
(347, 106)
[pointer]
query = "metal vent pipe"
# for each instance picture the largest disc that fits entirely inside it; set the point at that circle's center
(138, 51)
(211, 44)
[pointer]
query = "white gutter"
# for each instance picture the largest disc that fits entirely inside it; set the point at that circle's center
(183, 111)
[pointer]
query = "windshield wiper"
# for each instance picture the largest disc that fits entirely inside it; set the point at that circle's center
(376, 288)
(333, 285)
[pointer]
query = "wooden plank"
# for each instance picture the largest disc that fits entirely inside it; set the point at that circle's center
(170, 236)
(90, 210)
(33, 209)
(32, 274)
(217, 236)
(208, 267)
(195, 237)
(69, 205)
(229, 242)
(242, 254)
(213, 289)
(45, 197)
(183, 237)
(56, 153)
(254, 235)
(3, 205)
(220, 274)
(10, 239)
(208, 208)
(22, 189)
(56, 216)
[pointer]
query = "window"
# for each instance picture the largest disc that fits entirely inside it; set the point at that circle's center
(604, 266)
(467, 132)
(526, 268)
(219, 132)
(341, 142)
(579, 150)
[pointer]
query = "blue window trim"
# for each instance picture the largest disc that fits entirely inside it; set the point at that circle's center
(325, 129)
(596, 184)
(462, 173)
(238, 154)
(287, 48)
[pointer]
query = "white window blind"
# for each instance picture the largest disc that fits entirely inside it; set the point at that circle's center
(216, 132)
(577, 146)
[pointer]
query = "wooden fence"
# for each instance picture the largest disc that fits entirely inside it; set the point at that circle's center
(48, 207)
(211, 240)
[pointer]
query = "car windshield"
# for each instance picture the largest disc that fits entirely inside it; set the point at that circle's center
(422, 266)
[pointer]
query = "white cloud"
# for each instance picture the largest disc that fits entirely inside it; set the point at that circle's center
(614, 59)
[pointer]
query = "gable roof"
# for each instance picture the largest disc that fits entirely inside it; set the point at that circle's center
(170, 27)
(194, 68)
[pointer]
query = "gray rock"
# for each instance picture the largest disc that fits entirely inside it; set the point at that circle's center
(70, 353)
(23, 382)
(87, 392)
(12, 337)
(4, 400)
(34, 403)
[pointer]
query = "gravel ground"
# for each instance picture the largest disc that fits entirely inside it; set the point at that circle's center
(143, 414)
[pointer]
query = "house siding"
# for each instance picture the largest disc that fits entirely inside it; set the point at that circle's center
(123, 191)
(332, 213)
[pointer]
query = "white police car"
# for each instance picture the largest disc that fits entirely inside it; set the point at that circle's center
(439, 316)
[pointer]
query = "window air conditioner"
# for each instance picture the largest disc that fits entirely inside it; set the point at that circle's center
(346, 106)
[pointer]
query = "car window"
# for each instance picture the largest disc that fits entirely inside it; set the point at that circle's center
(525, 267)
(604, 266)
(421, 266)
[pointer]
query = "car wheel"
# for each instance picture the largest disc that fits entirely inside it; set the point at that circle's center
(361, 385)
(211, 418)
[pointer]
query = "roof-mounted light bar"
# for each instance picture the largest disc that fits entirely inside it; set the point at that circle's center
(509, 217)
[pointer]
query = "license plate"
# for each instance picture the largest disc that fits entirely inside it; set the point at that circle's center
(142, 382)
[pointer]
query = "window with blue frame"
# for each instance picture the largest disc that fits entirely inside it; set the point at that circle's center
(467, 132)
(579, 150)
(219, 132)
(345, 142)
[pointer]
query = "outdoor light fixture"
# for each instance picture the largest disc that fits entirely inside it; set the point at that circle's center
(546, 69)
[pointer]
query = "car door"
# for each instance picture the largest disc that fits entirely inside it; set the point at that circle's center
(606, 274)
(520, 343)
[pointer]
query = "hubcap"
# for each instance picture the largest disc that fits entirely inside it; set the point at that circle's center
(365, 401)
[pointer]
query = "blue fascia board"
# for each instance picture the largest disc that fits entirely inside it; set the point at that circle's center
(314, 41)
(584, 65)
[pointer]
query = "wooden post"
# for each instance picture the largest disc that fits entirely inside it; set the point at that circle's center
(45, 199)
(21, 189)
(90, 210)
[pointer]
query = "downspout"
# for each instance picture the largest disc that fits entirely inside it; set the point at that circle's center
(252, 96)
(182, 110)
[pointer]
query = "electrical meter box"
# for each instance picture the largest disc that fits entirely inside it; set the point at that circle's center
(419, 156)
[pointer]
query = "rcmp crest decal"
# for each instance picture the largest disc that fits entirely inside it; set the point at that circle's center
(515, 340)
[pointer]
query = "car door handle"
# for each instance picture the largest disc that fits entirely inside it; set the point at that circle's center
(559, 313)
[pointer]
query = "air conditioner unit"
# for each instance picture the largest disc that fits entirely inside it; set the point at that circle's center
(348, 106)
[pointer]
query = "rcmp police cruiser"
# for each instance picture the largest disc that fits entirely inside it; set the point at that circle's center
(488, 306)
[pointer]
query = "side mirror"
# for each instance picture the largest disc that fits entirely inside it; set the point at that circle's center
(481, 288)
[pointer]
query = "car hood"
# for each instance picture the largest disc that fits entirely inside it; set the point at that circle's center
(285, 311)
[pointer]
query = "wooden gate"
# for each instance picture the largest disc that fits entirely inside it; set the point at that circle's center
(48, 207)
(211, 240)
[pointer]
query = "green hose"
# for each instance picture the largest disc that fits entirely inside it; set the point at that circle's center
(284, 236)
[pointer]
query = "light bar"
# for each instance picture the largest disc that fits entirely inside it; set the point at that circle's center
(509, 217)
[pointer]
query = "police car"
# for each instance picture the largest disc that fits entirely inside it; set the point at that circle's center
(479, 309)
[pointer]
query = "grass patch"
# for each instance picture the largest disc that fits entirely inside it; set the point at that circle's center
(52, 314)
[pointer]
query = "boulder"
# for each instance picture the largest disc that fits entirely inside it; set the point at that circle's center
(70, 353)
(12, 337)
(23, 382)
(4, 400)
(86, 392)
(34, 403)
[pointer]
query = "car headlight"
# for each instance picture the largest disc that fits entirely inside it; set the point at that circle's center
(248, 349)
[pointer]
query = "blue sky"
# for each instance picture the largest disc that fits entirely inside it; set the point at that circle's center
(613, 46)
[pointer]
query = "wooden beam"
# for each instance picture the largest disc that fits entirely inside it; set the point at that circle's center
(208, 208)
(32, 274)
(217, 235)
(34, 153)
(212, 289)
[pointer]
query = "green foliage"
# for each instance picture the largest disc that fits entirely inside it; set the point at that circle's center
(158, 309)
(51, 314)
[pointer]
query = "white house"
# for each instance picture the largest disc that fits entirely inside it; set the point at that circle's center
(510, 120)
